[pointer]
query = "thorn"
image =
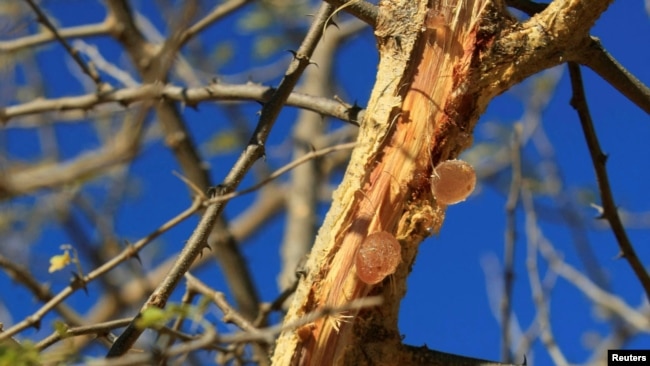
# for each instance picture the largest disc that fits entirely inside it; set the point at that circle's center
(78, 282)
(294, 53)
(134, 253)
(216, 191)
(353, 112)
(525, 361)
(332, 22)
(263, 152)
(212, 192)
(37, 324)
(600, 210)
(185, 97)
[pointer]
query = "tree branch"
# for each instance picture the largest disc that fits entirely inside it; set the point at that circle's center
(87, 69)
(82, 31)
(122, 148)
(363, 10)
(594, 56)
(610, 211)
(219, 11)
(188, 96)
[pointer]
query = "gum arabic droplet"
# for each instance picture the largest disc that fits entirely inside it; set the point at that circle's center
(453, 181)
(378, 256)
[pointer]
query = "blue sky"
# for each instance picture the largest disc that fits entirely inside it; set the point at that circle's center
(448, 303)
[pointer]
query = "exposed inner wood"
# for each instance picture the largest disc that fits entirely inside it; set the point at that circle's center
(418, 115)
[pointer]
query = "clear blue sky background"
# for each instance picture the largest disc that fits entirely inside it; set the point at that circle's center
(447, 306)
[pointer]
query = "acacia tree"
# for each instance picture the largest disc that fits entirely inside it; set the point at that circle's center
(440, 65)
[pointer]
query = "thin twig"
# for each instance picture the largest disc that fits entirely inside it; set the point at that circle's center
(599, 159)
(276, 305)
(219, 11)
(363, 10)
(100, 329)
(87, 69)
(128, 252)
(605, 299)
(307, 157)
(230, 315)
(534, 237)
(33, 40)
(509, 244)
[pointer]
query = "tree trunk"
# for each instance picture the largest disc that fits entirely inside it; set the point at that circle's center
(439, 67)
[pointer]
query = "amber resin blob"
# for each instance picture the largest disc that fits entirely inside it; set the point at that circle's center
(378, 257)
(453, 181)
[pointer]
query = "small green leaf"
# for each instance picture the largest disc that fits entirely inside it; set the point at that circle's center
(152, 318)
(61, 328)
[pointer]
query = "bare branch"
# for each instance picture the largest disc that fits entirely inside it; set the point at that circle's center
(215, 15)
(230, 315)
(610, 212)
(82, 31)
(363, 10)
(595, 293)
(122, 148)
(543, 318)
(87, 69)
(594, 56)
(304, 158)
(188, 96)
(509, 243)
(99, 329)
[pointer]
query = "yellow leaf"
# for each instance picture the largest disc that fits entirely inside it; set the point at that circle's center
(59, 262)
